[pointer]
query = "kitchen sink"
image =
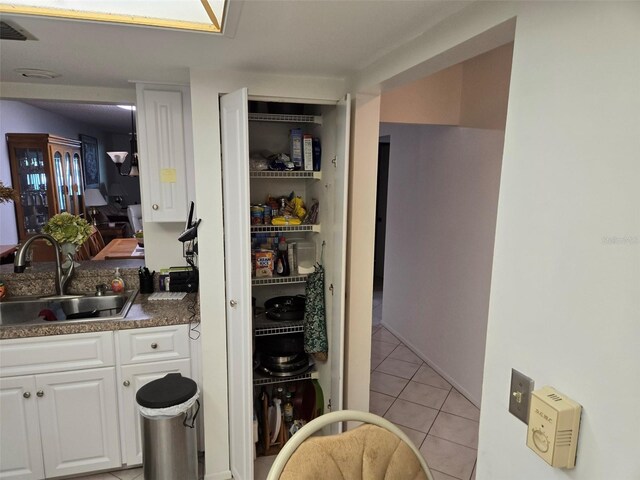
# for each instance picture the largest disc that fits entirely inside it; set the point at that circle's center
(34, 310)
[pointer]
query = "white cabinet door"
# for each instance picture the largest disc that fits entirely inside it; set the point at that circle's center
(165, 146)
(340, 172)
(132, 378)
(20, 447)
(79, 421)
(234, 126)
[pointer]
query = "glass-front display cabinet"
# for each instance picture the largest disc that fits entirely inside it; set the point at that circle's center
(46, 171)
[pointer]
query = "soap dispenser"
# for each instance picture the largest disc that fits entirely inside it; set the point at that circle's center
(117, 284)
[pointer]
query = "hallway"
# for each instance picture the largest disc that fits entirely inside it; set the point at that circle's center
(441, 422)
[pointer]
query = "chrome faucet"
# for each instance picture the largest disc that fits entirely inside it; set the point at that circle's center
(62, 277)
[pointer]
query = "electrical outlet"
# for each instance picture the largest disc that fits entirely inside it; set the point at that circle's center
(520, 395)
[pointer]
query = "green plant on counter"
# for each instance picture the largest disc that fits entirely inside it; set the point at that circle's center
(7, 194)
(139, 234)
(67, 228)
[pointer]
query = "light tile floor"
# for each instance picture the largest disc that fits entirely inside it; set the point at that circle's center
(441, 422)
(133, 473)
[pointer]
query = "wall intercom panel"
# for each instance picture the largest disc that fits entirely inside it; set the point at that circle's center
(554, 421)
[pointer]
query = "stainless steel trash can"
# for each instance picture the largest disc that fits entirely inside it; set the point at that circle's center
(168, 410)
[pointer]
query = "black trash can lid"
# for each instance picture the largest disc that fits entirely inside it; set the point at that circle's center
(173, 389)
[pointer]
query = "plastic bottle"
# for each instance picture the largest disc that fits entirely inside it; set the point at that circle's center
(282, 260)
(117, 284)
(288, 408)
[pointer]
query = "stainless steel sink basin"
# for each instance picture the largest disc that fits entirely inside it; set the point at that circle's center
(33, 310)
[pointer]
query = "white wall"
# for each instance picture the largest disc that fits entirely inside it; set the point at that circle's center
(565, 294)
(565, 299)
(19, 117)
(441, 213)
(360, 248)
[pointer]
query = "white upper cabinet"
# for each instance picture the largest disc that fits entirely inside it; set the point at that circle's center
(165, 145)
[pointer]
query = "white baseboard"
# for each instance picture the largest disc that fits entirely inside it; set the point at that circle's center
(432, 364)
(224, 475)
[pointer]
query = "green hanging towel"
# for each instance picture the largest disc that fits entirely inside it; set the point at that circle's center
(315, 319)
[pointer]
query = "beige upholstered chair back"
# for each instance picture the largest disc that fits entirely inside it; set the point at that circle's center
(375, 451)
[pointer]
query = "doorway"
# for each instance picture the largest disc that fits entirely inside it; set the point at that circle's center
(381, 229)
(443, 170)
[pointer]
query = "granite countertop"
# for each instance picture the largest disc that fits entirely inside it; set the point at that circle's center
(39, 280)
(143, 313)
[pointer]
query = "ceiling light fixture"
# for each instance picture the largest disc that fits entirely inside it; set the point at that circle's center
(119, 157)
(199, 15)
(37, 73)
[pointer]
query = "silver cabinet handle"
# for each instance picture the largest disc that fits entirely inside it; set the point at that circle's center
(126, 383)
(40, 393)
(26, 394)
(233, 303)
(155, 206)
(154, 345)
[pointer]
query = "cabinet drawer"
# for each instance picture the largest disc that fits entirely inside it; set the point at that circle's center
(153, 344)
(24, 356)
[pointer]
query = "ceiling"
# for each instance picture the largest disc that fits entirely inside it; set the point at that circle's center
(327, 38)
(108, 118)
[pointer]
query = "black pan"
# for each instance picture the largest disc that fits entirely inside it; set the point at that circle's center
(286, 308)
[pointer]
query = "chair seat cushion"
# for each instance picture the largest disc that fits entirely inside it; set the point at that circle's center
(367, 452)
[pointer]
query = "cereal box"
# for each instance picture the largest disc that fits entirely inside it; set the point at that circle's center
(264, 264)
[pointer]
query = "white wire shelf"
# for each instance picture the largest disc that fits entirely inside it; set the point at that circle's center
(284, 228)
(285, 174)
(285, 118)
(260, 378)
(263, 327)
(256, 282)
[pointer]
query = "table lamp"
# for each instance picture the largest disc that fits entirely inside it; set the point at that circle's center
(93, 198)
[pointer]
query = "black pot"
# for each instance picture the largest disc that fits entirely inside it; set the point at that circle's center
(281, 345)
(286, 308)
(296, 363)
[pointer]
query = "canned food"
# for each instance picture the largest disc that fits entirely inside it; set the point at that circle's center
(267, 214)
(257, 215)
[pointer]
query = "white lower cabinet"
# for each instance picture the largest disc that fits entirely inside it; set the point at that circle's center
(78, 418)
(64, 416)
(133, 377)
(59, 412)
(20, 448)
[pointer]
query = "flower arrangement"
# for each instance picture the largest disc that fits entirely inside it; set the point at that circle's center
(67, 228)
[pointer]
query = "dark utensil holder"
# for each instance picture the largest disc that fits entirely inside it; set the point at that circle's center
(146, 283)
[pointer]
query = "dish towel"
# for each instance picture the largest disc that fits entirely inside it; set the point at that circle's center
(315, 319)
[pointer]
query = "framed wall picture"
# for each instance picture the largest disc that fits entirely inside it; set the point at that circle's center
(90, 160)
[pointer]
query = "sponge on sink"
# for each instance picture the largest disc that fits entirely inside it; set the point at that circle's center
(48, 315)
